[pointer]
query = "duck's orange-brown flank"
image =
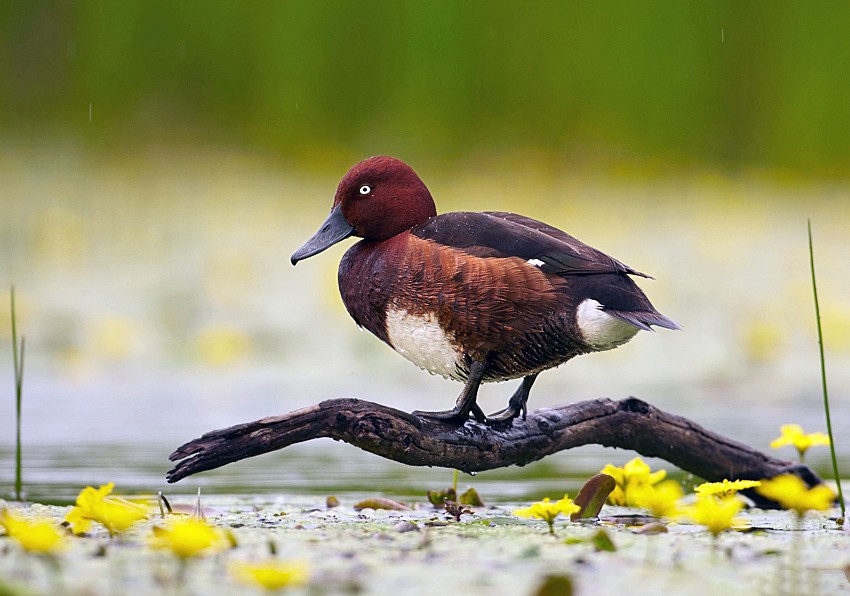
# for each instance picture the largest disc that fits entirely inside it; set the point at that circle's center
(473, 296)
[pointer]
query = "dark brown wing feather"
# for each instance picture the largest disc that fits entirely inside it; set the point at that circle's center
(500, 234)
(585, 271)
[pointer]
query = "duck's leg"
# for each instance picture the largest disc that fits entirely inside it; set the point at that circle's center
(466, 403)
(516, 405)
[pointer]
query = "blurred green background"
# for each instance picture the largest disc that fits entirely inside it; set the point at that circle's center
(160, 161)
(724, 82)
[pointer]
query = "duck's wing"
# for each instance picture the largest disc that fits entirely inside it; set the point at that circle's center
(501, 234)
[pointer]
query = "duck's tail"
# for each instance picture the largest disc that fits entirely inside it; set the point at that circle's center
(643, 319)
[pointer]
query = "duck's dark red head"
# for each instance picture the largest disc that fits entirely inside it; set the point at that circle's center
(377, 199)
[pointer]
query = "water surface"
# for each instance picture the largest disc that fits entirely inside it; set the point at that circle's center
(158, 303)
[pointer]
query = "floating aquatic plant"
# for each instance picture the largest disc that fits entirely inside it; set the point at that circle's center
(716, 514)
(99, 505)
(793, 434)
(187, 538)
(39, 535)
(456, 509)
(724, 488)
(792, 493)
(592, 497)
(662, 499)
(630, 479)
(272, 575)
(548, 511)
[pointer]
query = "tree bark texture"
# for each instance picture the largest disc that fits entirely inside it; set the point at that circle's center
(629, 424)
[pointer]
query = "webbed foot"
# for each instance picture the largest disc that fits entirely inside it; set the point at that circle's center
(455, 415)
(466, 403)
(516, 404)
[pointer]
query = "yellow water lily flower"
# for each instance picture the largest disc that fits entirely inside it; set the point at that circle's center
(34, 535)
(716, 514)
(97, 505)
(662, 499)
(725, 488)
(548, 511)
(630, 478)
(792, 434)
(792, 493)
(272, 575)
(188, 538)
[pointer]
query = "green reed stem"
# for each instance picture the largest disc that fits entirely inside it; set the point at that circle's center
(19, 383)
(823, 375)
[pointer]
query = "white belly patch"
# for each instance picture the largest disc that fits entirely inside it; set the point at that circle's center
(420, 339)
(601, 330)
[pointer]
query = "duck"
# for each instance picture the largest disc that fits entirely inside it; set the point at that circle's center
(475, 297)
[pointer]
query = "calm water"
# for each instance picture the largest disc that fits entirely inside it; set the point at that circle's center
(158, 303)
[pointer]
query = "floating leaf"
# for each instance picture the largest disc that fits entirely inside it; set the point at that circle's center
(438, 497)
(592, 496)
(497, 521)
(555, 585)
(405, 526)
(652, 528)
(532, 552)
(380, 503)
(471, 498)
(601, 541)
(632, 519)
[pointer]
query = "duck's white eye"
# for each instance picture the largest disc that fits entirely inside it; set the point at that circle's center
(365, 189)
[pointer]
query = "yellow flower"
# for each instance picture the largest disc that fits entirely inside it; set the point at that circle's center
(272, 574)
(726, 488)
(630, 478)
(36, 536)
(792, 434)
(188, 538)
(113, 513)
(661, 499)
(792, 493)
(548, 511)
(716, 514)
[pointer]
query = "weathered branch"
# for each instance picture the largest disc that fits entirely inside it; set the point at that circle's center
(628, 424)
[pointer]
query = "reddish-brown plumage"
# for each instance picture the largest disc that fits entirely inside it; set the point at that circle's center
(398, 199)
(475, 296)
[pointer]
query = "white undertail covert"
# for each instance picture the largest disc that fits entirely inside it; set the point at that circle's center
(601, 330)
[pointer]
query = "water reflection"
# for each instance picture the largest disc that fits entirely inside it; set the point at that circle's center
(55, 474)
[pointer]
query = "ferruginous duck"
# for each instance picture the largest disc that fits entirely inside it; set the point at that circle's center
(473, 296)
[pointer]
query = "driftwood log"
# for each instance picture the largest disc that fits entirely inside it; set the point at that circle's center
(628, 424)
